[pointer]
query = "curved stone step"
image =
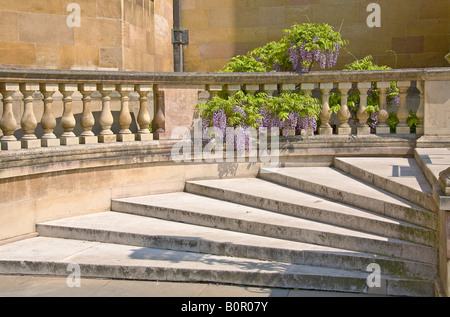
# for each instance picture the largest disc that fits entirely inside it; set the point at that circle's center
(334, 184)
(200, 210)
(51, 256)
(267, 195)
(127, 229)
(400, 176)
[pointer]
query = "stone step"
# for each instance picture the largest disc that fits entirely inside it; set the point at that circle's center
(205, 211)
(57, 257)
(127, 229)
(399, 176)
(334, 184)
(274, 197)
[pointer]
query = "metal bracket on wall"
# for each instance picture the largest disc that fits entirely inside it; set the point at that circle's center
(180, 36)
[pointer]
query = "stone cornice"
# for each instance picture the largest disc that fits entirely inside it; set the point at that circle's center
(186, 79)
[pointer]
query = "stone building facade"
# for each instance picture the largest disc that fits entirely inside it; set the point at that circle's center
(417, 30)
(136, 34)
(112, 34)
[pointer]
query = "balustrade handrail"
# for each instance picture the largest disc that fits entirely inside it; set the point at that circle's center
(127, 77)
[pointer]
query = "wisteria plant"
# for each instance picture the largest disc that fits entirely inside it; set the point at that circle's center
(288, 110)
(310, 43)
(301, 46)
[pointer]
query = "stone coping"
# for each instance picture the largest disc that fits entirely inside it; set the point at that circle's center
(189, 79)
(27, 162)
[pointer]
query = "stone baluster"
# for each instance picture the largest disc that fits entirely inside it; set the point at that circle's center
(363, 128)
(8, 122)
(270, 89)
(125, 120)
(28, 121)
(48, 121)
(214, 90)
(68, 119)
(420, 128)
(232, 89)
(383, 114)
(307, 89)
(160, 113)
(87, 118)
(325, 116)
(288, 87)
(143, 118)
(402, 110)
(106, 118)
(251, 89)
(344, 113)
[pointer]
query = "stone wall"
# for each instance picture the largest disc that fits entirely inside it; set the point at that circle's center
(417, 30)
(113, 34)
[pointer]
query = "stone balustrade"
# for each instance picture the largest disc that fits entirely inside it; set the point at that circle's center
(22, 89)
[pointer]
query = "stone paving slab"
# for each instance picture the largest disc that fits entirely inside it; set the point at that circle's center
(45, 286)
(99, 260)
(436, 160)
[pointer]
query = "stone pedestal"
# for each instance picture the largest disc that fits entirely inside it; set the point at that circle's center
(363, 130)
(50, 142)
(126, 137)
(88, 139)
(30, 144)
(383, 129)
(10, 145)
(144, 137)
(70, 140)
(342, 130)
(107, 138)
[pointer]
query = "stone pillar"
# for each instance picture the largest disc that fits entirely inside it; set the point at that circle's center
(251, 89)
(420, 130)
(160, 116)
(8, 123)
(383, 114)
(270, 89)
(214, 90)
(125, 119)
(106, 118)
(307, 89)
(363, 128)
(344, 113)
(402, 111)
(143, 118)
(325, 116)
(68, 119)
(87, 118)
(48, 121)
(232, 89)
(287, 87)
(28, 121)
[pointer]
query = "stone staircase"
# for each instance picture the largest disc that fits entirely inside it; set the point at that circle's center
(314, 228)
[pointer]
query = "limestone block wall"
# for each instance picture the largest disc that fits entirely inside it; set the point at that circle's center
(113, 34)
(417, 30)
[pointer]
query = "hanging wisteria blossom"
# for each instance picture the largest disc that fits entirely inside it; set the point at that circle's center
(313, 43)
